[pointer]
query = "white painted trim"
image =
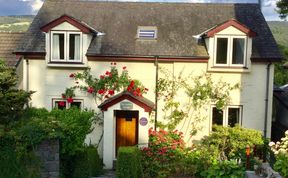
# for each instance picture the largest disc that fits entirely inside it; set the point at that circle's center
(230, 51)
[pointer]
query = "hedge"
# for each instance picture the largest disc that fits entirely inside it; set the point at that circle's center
(129, 163)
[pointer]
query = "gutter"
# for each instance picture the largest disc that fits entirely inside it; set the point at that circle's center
(267, 98)
(156, 91)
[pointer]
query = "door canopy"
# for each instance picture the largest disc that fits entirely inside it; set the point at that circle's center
(144, 103)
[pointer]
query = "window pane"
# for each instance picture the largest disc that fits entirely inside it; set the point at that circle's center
(222, 44)
(217, 116)
(76, 104)
(60, 105)
(74, 46)
(58, 46)
(233, 116)
(238, 51)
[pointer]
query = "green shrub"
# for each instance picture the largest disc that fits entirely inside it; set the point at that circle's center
(129, 163)
(87, 163)
(232, 141)
(281, 165)
(224, 169)
(10, 166)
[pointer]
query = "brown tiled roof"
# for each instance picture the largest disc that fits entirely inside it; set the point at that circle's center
(8, 43)
(176, 24)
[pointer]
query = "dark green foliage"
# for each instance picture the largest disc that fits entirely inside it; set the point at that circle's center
(280, 73)
(87, 163)
(12, 100)
(14, 164)
(128, 163)
(232, 141)
(282, 6)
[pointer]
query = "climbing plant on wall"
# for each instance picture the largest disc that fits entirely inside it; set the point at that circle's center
(199, 91)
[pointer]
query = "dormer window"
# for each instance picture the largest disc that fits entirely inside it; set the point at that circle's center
(66, 46)
(147, 32)
(230, 51)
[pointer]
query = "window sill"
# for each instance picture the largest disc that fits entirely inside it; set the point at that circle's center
(229, 69)
(67, 64)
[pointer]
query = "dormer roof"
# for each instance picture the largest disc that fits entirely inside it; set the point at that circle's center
(230, 23)
(82, 26)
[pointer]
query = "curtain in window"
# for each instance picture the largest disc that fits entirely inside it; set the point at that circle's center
(56, 47)
(77, 47)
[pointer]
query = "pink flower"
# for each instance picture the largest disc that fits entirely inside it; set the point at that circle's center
(90, 90)
(111, 92)
(72, 75)
(70, 100)
(102, 76)
(61, 103)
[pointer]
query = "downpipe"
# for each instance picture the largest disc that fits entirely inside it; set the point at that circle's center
(267, 98)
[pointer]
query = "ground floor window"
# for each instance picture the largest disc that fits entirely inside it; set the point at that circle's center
(63, 104)
(230, 116)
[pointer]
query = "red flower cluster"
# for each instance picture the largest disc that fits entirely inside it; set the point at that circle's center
(90, 90)
(164, 145)
(70, 100)
(136, 91)
(61, 103)
(72, 75)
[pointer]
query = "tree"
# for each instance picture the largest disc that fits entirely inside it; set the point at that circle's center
(280, 73)
(282, 6)
(12, 100)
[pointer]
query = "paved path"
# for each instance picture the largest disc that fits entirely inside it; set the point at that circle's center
(108, 174)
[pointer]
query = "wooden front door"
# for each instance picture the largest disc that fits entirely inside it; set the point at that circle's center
(126, 128)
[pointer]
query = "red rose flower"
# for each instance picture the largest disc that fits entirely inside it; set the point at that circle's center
(102, 76)
(107, 73)
(111, 92)
(63, 96)
(70, 100)
(61, 103)
(101, 91)
(132, 83)
(124, 68)
(72, 75)
(90, 90)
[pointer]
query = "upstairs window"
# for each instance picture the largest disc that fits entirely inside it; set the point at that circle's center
(147, 33)
(227, 117)
(66, 46)
(230, 51)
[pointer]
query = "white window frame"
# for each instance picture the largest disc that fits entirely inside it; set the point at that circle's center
(230, 51)
(146, 28)
(66, 46)
(225, 114)
(68, 105)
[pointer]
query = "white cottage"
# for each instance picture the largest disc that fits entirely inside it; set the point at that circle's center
(232, 42)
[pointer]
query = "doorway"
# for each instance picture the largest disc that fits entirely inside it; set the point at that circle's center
(126, 128)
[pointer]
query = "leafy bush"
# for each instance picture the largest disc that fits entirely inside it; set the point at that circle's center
(281, 165)
(164, 151)
(129, 163)
(12, 100)
(224, 169)
(69, 126)
(87, 163)
(232, 141)
(280, 149)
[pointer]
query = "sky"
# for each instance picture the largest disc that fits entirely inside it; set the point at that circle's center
(31, 7)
